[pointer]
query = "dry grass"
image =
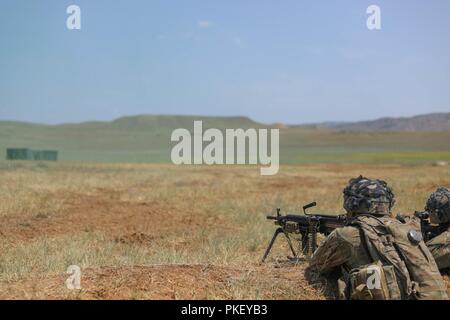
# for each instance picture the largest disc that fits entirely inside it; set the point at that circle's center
(162, 231)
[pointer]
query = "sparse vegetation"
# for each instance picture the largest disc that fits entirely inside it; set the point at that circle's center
(163, 231)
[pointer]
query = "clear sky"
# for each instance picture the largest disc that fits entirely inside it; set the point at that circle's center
(291, 61)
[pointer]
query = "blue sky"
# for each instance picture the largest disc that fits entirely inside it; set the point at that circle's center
(290, 61)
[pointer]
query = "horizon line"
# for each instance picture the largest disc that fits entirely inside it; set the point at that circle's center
(219, 116)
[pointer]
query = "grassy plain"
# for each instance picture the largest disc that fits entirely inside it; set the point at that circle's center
(146, 139)
(162, 231)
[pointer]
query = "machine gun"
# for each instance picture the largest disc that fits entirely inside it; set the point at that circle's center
(306, 226)
(429, 231)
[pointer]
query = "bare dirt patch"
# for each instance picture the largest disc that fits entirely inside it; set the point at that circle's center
(105, 213)
(169, 282)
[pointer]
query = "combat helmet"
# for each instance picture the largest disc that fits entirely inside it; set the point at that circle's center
(438, 206)
(368, 196)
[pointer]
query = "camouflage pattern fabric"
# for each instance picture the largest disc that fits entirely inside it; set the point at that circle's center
(438, 206)
(368, 196)
(342, 246)
(401, 245)
(440, 249)
(346, 248)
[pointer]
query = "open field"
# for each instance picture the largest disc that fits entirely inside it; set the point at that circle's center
(146, 139)
(161, 231)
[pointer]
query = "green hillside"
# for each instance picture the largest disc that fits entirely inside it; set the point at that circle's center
(146, 138)
(143, 138)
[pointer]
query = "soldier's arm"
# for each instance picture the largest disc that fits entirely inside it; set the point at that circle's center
(440, 249)
(332, 253)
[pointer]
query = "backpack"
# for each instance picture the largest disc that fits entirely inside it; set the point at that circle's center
(400, 258)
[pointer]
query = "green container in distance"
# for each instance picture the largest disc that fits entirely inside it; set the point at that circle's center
(28, 154)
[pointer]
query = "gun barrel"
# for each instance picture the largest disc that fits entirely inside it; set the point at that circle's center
(306, 226)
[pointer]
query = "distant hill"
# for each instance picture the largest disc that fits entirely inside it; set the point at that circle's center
(426, 122)
(162, 122)
(141, 138)
(146, 138)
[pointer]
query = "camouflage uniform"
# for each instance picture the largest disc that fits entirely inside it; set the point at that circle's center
(342, 247)
(440, 249)
(438, 207)
(350, 248)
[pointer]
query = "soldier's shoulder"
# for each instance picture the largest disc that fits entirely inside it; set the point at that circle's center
(348, 233)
